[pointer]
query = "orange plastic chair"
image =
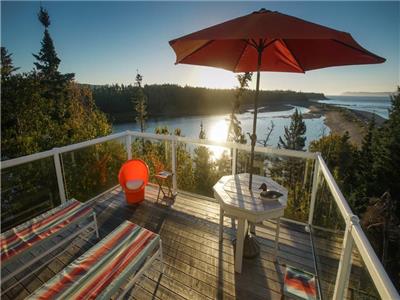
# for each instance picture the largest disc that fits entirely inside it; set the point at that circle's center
(133, 178)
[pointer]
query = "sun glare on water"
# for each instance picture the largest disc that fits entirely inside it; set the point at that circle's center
(218, 132)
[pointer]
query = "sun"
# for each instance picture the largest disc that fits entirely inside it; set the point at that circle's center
(215, 78)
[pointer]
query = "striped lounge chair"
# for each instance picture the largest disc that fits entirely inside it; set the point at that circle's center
(108, 269)
(23, 247)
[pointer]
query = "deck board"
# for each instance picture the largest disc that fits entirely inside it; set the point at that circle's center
(198, 266)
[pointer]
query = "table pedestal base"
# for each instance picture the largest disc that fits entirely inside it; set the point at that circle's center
(251, 247)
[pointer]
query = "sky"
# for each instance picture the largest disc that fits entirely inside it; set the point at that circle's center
(107, 42)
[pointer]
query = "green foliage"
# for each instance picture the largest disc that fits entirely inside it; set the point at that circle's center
(205, 171)
(235, 133)
(47, 60)
(41, 110)
(168, 100)
(90, 171)
(140, 103)
(7, 67)
(290, 171)
(27, 190)
(294, 136)
(364, 176)
(338, 154)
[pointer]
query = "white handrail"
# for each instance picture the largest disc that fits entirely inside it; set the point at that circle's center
(228, 145)
(25, 159)
(36, 156)
(337, 194)
(378, 274)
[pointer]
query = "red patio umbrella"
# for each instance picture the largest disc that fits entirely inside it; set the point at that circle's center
(270, 41)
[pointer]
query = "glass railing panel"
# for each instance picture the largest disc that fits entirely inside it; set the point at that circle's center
(200, 167)
(28, 190)
(92, 170)
(327, 235)
(156, 153)
(360, 284)
(295, 174)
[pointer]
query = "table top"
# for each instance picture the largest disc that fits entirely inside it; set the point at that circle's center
(233, 192)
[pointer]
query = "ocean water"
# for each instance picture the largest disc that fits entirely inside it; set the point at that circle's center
(216, 127)
(378, 105)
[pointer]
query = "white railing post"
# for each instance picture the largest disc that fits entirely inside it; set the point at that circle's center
(128, 145)
(173, 165)
(314, 191)
(343, 274)
(60, 176)
(234, 157)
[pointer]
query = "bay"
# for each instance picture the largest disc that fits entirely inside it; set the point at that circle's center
(374, 104)
(216, 127)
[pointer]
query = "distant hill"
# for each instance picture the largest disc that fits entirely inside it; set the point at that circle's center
(168, 100)
(371, 94)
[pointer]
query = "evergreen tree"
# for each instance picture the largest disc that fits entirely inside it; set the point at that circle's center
(235, 133)
(339, 154)
(386, 154)
(140, 103)
(294, 136)
(7, 67)
(47, 60)
(202, 134)
(205, 175)
(290, 171)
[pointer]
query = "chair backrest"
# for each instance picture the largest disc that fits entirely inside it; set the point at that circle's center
(133, 169)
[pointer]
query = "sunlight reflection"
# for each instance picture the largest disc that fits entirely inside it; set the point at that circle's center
(218, 132)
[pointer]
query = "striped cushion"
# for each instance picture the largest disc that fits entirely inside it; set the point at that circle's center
(28, 234)
(100, 271)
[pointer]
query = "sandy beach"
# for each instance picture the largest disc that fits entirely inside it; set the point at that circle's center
(340, 120)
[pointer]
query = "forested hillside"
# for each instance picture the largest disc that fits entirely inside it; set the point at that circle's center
(169, 100)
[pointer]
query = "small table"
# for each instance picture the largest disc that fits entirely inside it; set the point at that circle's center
(161, 178)
(237, 201)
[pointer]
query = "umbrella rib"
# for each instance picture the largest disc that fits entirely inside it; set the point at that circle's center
(195, 51)
(241, 54)
(360, 50)
(294, 56)
(270, 43)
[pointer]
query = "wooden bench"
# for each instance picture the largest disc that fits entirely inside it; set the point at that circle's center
(109, 269)
(67, 220)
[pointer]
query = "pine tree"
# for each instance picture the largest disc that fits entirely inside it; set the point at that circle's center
(235, 133)
(7, 67)
(294, 136)
(386, 155)
(202, 134)
(205, 174)
(290, 171)
(47, 60)
(140, 103)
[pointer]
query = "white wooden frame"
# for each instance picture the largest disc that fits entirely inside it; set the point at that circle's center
(380, 278)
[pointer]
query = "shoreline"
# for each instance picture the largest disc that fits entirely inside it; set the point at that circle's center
(339, 120)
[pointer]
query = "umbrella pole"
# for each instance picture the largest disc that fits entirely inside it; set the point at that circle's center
(254, 136)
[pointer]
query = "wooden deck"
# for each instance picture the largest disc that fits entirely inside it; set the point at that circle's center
(197, 265)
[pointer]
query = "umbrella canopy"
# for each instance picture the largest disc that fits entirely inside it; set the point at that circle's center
(270, 41)
(289, 45)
